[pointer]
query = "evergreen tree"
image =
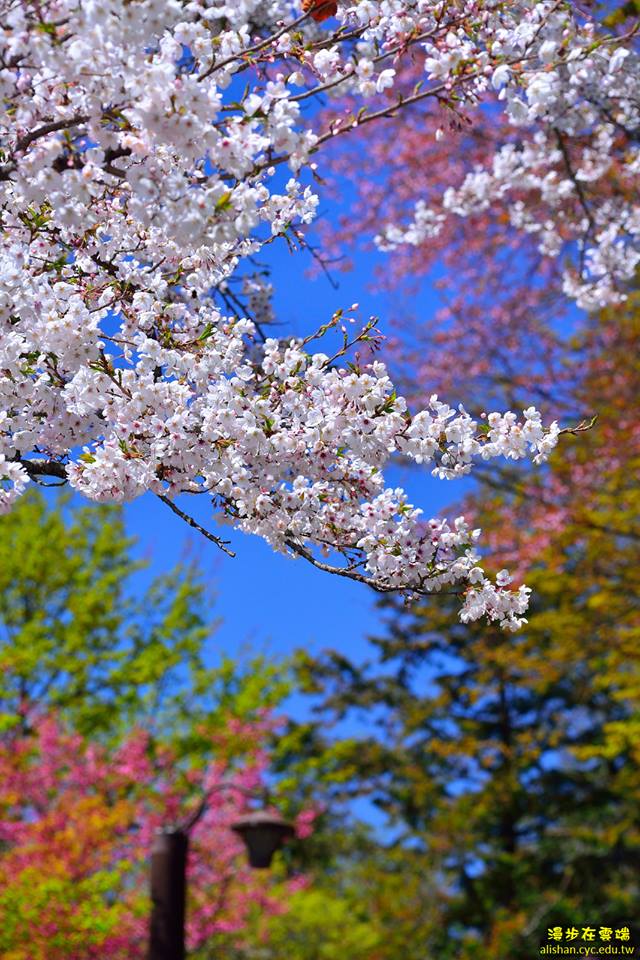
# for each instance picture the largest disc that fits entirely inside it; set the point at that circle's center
(509, 763)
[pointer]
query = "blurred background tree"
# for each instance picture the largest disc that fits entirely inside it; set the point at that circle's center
(117, 717)
(506, 767)
(77, 821)
(78, 635)
(71, 634)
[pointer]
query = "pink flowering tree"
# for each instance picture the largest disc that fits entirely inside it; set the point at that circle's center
(143, 155)
(515, 215)
(76, 827)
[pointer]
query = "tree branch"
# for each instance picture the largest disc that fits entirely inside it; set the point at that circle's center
(222, 544)
(45, 468)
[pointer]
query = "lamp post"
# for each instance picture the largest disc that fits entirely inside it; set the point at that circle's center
(168, 894)
(263, 833)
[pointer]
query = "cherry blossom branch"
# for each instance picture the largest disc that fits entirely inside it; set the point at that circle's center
(580, 427)
(48, 128)
(256, 48)
(116, 357)
(572, 176)
(44, 468)
(349, 572)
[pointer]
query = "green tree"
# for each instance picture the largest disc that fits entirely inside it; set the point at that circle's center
(77, 636)
(371, 906)
(618, 14)
(72, 634)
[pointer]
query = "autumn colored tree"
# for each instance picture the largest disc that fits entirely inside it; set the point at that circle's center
(512, 765)
(76, 826)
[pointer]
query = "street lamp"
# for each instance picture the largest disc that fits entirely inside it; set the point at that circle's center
(263, 833)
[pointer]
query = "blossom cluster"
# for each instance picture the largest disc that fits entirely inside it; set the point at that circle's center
(142, 152)
(568, 173)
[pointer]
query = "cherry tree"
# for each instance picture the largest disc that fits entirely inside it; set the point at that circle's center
(144, 150)
(512, 253)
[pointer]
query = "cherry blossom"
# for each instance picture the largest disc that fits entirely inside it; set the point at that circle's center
(143, 154)
(566, 177)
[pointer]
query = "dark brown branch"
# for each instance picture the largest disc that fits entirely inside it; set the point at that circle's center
(47, 128)
(574, 180)
(8, 168)
(45, 468)
(350, 574)
(222, 544)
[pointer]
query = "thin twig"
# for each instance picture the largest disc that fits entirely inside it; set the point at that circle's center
(581, 427)
(255, 48)
(196, 526)
(301, 551)
(574, 180)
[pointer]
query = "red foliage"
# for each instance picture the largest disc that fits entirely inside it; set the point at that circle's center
(76, 826)
(320, 9)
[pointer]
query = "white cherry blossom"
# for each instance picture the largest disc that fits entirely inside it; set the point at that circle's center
(142, 146)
